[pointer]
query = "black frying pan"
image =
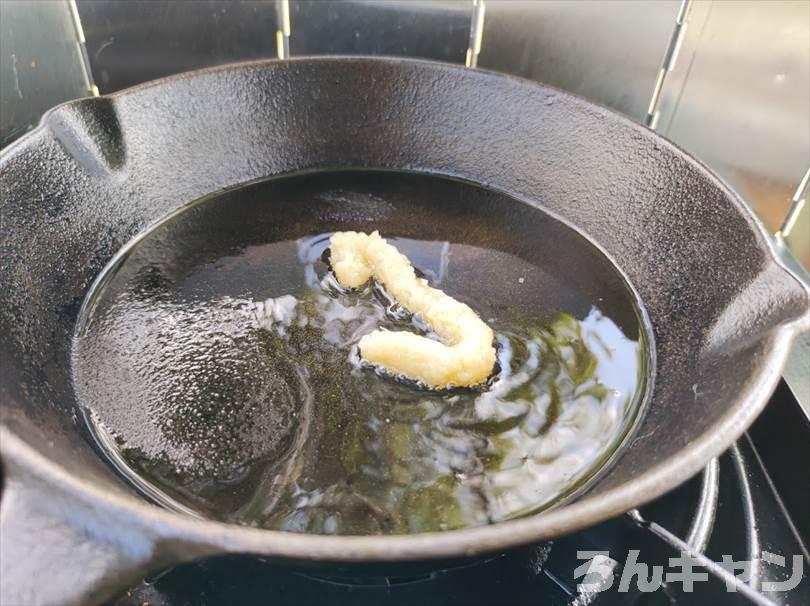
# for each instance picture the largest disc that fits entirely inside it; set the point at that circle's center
(98, 171)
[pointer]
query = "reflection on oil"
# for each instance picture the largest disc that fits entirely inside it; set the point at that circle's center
(257, 411)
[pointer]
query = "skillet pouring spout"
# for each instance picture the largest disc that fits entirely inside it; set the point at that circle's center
(719, 310)
(776, 297)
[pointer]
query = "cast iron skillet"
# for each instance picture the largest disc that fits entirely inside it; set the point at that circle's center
(98, 171)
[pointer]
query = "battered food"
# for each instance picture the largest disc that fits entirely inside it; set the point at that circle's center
(466, 356)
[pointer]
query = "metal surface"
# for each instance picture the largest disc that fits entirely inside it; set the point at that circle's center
(130, 42)
(701, 529)
(433, 30)
(41, 63)
(476, 33)
(796, 205)
(670, 58)
(797, 367)
(738, 99)
(284, 30)
(81, 43)
(765, 509)
(607, 51)
(99, 171)
(701, 560)
(779, 441)
(797, 372)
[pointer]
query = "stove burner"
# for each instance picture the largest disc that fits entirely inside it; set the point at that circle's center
(732, 508)
(513, 577)
(372, 580)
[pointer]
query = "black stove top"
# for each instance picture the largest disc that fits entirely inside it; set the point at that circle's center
(691, 547)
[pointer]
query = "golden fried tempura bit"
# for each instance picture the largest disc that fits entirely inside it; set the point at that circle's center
(468, 356)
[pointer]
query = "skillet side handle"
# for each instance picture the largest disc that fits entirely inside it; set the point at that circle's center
(55, 549)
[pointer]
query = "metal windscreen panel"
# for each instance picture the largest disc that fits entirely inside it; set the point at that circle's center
(739, 99)
(133, 41)
(40, 63)
(431, 30)
(607, 51)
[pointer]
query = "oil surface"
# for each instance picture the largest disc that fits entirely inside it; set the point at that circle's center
(218, 367)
